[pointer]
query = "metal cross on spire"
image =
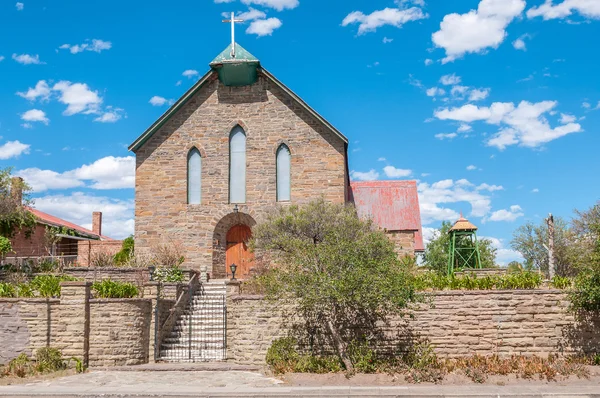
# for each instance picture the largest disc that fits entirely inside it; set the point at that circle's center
(233, 21)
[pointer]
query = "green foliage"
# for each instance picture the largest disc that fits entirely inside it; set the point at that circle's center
(283, 357)
(20, 366)
(363, 357)
(5, 246)
(79, 367)
(47, 265)
(114, 289)
(127, 250)
(13, 215)
(7, 290)
(520, 280)
(25, 290)
(49, 359)
(49, 285)
(437, 251)
(339, 271)
(585, 295)
(169, 274)
(561, 282)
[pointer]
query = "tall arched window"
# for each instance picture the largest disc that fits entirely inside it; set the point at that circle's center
(194, 177)
(237, 165)
(284, 171)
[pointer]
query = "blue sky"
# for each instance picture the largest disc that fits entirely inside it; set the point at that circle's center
(492, 105)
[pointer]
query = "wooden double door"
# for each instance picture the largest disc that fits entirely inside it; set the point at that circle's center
(238, 252)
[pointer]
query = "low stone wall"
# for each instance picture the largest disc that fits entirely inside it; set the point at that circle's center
(456, 323)
(138, 276)
(100, 332)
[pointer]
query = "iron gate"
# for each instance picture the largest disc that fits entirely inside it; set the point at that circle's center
(200, 331)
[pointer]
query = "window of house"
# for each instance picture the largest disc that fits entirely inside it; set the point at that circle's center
(194, 176)
(237, 166)
(284, 185)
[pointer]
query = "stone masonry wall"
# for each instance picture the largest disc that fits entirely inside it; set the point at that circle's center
(404, 241)
(456, 323)
(87, 249)
(100, 332)
(269, 117)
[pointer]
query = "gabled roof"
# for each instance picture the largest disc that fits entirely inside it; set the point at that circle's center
(47, 219)
(241, 55)
(392, 205)
(212, 74)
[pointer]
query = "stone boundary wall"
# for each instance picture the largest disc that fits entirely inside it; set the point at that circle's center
(86, 249)
(137, 276)
(455, 323)
(103, 332)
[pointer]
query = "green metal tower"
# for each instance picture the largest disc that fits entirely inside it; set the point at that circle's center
(464, 249)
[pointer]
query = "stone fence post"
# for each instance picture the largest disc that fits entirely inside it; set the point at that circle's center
(73, 334)
(152, 291)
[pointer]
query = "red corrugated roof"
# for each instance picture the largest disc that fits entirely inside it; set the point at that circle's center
(392, 205)
(46, 218)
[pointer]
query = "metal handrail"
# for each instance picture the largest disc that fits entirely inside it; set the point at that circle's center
(189, 291)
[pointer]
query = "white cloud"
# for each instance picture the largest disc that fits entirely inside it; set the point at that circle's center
(490, 188)
(27, 59)
(1, 58)
(264, 27)
(160, 101)
(564, 118)
(190, 73)
(364, 176)
(111, 115)
(428, 62)
(511, 214)
(503, 255)
(535, 190)
(520, 44)
(477, 30)
(393, 172)
(449, 80)
(35, 115)
(524, 124)
(586, 105)
(107, 173)
(464, 128)
(388, 16)
(471, 167)
(13, 149)
(449, 191)
(41, 90)
(19, 6)
(381, 159)
(459, 91)
(442, 136)
(279, 5)
(479, 94)
(386, 40)
(78, 97)
(587, 8)
(117, 215)
(94, 45)
(435, 91)
(249, 15)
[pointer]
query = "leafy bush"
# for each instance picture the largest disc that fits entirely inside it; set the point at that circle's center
(127, 251)
(7, 290)
(561, 282)
(363, 357)
(585, 296)
(169, 274)
(283, 357)
(20, 366)
(49, 285)
(47, 265)
(25, 290)
(5, 246)
(518, 280)
(49, 359)
(114, 289)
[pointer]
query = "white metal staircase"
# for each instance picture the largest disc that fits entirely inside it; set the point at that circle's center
(199, 333)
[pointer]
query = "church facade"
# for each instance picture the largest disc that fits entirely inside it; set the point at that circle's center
(238, 143)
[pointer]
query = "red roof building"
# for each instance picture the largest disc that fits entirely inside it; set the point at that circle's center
(394, 207)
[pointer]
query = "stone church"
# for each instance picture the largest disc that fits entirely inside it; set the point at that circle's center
(236, 144)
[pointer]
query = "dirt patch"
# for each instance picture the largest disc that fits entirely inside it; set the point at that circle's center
(455, 378)
(13, 380)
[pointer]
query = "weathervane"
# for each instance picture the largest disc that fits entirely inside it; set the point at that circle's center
(233, 21)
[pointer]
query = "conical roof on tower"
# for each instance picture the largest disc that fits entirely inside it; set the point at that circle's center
(462, 224)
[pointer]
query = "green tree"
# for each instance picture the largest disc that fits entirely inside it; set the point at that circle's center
(336, 271)
(13, 215)
(437, 251)
(126, 252)
(529, 240)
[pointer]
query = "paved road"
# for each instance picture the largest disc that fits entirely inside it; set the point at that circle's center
(140, 384)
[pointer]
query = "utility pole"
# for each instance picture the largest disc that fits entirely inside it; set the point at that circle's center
(550, 222)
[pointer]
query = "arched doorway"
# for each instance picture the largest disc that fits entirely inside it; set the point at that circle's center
(238, 252)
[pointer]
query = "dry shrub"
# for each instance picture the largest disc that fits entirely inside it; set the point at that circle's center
(167, 254)
(102, 259)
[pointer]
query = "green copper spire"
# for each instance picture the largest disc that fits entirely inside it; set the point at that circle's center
(236, 66)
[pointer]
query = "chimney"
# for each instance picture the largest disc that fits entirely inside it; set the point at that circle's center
(16, 190)
(97, 222)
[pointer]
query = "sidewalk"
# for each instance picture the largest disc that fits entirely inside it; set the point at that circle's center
(251, 384)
